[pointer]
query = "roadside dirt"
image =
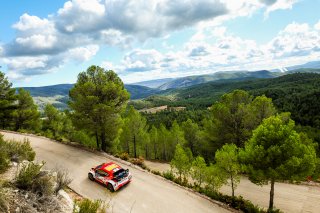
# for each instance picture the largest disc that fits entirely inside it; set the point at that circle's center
(291, 198)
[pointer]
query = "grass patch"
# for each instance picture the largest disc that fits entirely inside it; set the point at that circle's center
(89, 206)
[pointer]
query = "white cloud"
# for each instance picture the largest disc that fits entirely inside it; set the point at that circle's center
(28, 22)
(23, 67)
(142, 60)
(317, 25)
(280, 5)
(295, 44)
(295, 40)
(81, 54)
(78, 29)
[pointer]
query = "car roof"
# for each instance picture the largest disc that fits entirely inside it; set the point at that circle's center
(109, 167)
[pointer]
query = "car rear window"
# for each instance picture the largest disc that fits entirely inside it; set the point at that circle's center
(119, 173)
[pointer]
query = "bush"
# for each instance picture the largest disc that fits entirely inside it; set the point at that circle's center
(18, 151)
(3, 201)
(138, 161)
(156, 172)
(83, 138)
(49, 134)
(15, 151)
(27, 174)
(168, 175)
(4, 160)
(62, 180)
(88, 206)
(124, 156)
(235, 202)
(43, 186)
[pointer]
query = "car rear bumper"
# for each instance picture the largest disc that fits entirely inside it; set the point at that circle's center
(123, 183)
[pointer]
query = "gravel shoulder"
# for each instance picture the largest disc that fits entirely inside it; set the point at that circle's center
(289, 198)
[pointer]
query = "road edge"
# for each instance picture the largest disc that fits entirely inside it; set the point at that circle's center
(104, 154)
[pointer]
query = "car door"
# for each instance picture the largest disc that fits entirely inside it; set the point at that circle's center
(101, 176)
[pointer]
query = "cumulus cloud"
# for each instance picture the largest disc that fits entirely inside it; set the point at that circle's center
(317, 25)
(279, 5)
(26, 66)
(295, 40)
(78, 29)
(199, 51)
(83, 53)
(295, 44)
(142, 60)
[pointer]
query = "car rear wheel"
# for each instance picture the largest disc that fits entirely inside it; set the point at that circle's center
(110, 187)
(90, 176)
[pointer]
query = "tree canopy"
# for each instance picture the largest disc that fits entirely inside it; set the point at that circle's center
(277, 152)
(96, 101)
(26, 115)
(7, 101)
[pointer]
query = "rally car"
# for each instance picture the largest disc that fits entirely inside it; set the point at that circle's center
(111, 175)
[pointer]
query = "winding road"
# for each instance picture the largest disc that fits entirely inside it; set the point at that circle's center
(147, 193)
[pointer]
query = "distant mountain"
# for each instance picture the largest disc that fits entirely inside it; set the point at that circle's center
(50, 91)
(138, 92)
(154, 83)
(309, 65)
(204, 95)
(172, 83)
(58, 95)
(200, 79)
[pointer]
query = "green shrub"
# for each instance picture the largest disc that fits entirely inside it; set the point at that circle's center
(3, 201)
(84, 139)
(18, 151)
(27, 175)
(124, 156)
(182, 181)
(15, 151)
(156, 172)
(88, 206)
(168, 175)
(235, 202)
(48, 133)
(4, 160)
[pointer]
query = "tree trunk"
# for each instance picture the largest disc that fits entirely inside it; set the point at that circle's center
(134, 146)
(155, 150)
(127, 147)
(146, 151)
(103, 141)
(232, 185)
(17, 126)
(97, 140)
(271, 196)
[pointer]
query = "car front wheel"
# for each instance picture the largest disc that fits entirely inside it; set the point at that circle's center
(90, 176)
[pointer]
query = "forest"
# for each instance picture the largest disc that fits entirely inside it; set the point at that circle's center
(253, 123)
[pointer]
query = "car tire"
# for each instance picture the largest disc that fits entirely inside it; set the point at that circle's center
(110, 187)
(90, 176)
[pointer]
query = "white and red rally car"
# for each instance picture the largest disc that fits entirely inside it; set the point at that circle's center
(110, 175)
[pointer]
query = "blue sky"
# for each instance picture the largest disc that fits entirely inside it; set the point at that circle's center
(50, 42)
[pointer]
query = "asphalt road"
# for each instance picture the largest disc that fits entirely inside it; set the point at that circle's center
(145, 194)
(289, 198)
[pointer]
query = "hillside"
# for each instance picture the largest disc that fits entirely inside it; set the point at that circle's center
(235, 75)
(298, 93)
(174, 83)
(58, 95)
(154, 83)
